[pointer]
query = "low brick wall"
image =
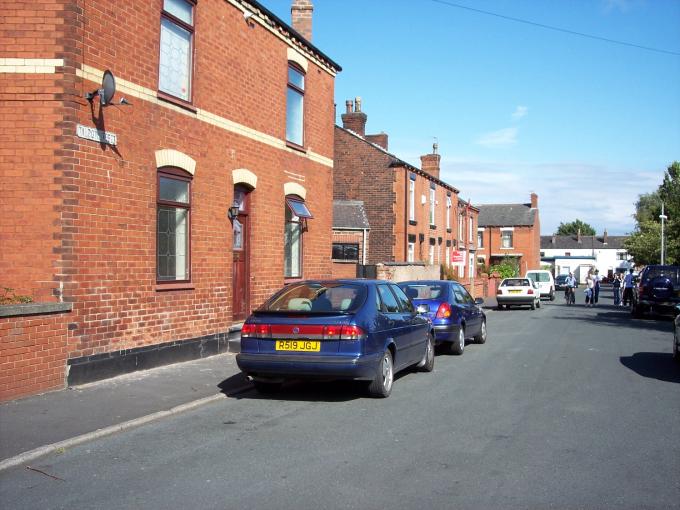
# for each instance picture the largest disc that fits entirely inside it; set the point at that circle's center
(33, 348)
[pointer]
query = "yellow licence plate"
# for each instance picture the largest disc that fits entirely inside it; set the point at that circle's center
(298, 345)
(515, 292)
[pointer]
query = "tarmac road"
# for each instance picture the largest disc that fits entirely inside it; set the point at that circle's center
(563, 407)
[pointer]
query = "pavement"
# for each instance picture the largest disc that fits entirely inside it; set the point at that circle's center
(42, 424)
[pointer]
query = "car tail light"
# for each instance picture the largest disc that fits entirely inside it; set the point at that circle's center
(332, 332)
(499, 292)
(256, 331)
(641, 290)
(444, 311)
(530, 291)
(352, 332)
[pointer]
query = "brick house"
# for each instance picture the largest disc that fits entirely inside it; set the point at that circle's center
(162, 218)
(414, 216)
(510, 231)
(350, 237)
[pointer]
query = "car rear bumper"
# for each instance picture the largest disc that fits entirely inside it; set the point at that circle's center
(666, 307)
(446, 332)
(515, 300)
(363, 367)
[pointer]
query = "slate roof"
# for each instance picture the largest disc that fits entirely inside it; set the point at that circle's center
(506, 215)
(349, 214)
(587, 243)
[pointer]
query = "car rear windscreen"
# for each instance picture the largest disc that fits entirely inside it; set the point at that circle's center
(670, 272)
(317, 298)
(425, 291)
(516, 282)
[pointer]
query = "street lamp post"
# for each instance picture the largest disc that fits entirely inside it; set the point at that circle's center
(663, 248)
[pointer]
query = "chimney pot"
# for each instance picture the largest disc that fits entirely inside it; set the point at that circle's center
(357, 104)
(348, 106)
(354, 120)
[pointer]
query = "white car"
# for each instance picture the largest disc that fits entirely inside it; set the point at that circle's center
(545, 281)
(518, 292)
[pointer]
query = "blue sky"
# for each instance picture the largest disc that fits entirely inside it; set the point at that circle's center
(588, 125)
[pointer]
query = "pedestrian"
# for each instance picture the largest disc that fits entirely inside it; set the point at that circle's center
(616, 284)
(628, 288)
(596, 286)
(590, 288)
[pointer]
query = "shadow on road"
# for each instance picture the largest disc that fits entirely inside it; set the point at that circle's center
(304, 390)
(617, 317)
(654, 365)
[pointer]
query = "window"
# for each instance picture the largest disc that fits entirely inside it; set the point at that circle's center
(506, 239)
(621, 255)
(346, 251)
(412, 199)
(296, 216)
(404, 302)
(295, 105)
(448, 212)
(388, 303)
(567, 254)
(173, 214)
(470, 229)
(431, 256)
(432, 200)
(177, 32)
(460, 226)
(480, 239)
(411, 252)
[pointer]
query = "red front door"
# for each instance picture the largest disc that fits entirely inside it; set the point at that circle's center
(241, 250)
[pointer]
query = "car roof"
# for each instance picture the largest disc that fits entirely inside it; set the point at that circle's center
(426, 282)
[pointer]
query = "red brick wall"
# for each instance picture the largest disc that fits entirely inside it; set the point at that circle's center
(526, 240)
(33, 354)
(80, 216)
(361, 172)
(348, 269)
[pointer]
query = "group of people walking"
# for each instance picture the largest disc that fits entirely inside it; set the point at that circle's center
(623, 288)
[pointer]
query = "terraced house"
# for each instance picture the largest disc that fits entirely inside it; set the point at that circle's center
(144, 225)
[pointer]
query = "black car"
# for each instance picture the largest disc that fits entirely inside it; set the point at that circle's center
(561, 282)
(657, 291)
(676, 336)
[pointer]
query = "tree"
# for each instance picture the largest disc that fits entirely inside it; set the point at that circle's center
(644, 244)
(572, 228)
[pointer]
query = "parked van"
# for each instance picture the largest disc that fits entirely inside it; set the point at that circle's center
(545, 281)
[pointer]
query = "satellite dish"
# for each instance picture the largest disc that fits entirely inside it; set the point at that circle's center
(108, 88)
(106, 92)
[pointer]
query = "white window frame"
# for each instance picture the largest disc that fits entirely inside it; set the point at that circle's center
(448, 212)
(412, 199)
(410, 255)
(433, 196)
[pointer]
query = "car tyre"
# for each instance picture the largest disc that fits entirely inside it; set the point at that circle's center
(457, 347)
(636, 311)
(676, 352)
(381, 386)
(481, 338)
(538, 303)
(267, 387)
(533, 305)
(552, 294)
(427, 363)
(499, 306)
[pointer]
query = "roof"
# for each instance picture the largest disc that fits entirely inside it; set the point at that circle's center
(506, 215)
(395, 161)
(349, 214)
(294, 34)
(587, 242)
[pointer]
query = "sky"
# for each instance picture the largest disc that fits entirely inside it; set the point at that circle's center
(587, 124)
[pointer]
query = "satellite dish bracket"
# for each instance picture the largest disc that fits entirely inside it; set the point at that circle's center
(107, 90)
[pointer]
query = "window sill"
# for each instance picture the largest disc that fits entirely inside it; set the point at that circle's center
(161, 287)
(296, 147)
(176, 101)
(507, 248)
(335, 261)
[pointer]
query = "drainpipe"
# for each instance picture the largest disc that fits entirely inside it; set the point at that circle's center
(364, 250)
(406, 214)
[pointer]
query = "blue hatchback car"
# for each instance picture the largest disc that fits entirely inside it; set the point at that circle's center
(346, 329)
(453, 312)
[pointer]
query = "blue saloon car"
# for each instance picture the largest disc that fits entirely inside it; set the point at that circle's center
(453, 312)
(347, 329)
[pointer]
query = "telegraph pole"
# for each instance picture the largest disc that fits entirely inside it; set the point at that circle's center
(663, 250)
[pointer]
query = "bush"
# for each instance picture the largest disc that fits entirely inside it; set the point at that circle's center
(447, 273)
(507, 268)
(8, 297)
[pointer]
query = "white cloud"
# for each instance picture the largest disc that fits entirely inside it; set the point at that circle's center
(506, 137)
(520, 111)
(600, 195)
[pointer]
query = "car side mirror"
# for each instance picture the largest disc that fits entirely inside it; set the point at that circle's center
(422, 309)
(479, 301)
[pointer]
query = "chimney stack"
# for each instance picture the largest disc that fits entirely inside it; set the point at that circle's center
(301, 17)
(379, 139)
(604, 237)
(554, 239)
(430, 162)
(578, 236)
(354, 120)
(534, 200)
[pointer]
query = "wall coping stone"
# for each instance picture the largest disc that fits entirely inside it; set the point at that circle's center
(34, 309)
